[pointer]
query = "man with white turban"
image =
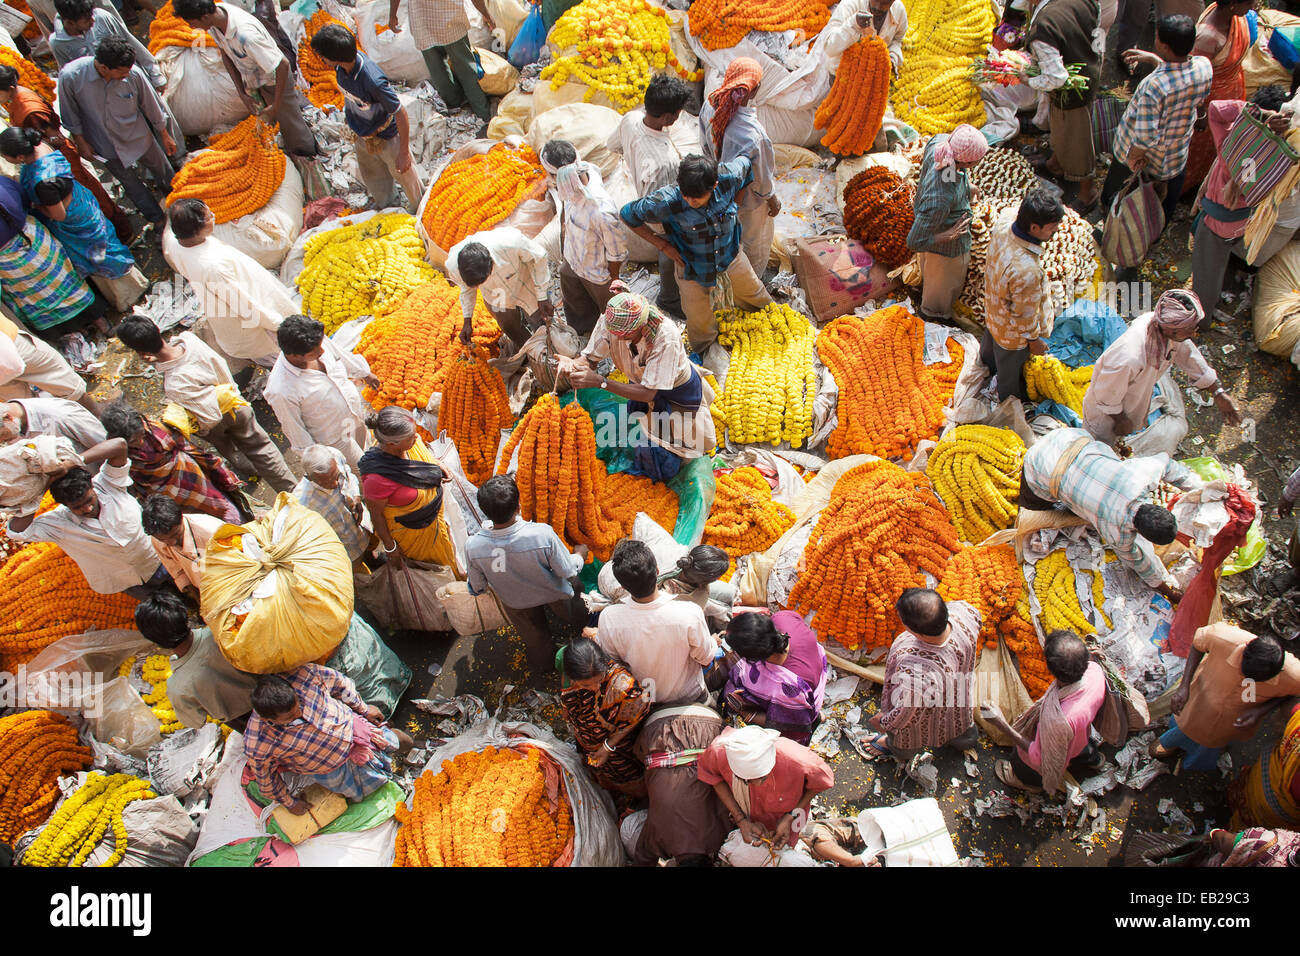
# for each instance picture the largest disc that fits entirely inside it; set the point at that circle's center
(1118, 401)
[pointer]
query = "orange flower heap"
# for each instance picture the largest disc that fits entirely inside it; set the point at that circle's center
(490, 808)
(744, 518)
(881, 533)
(237, 174)
(878, 213)
(989, 579)
(36, 746)
(626, 495)
(322, 85)
(723, 23)
(889, 398)
(475, 194)
(166, 29)
(474, 409)
(852, 112)
(29, 74)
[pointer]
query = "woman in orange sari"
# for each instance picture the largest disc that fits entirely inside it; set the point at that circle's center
(1222, 37)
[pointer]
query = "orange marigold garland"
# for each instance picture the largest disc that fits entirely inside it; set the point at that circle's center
(889, 398)
(237, 174)
(322, 85)
(744, 518)
(474, 409)
(878, 213)
(626, 495)
(29, 74)
(36, 746)
(476, 193)
(852, 112)
(721, 24)
(881, 533)
(166, 29)
(989, 579)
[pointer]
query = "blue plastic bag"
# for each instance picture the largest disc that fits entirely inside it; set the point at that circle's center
(1252, 22)
(530, 39)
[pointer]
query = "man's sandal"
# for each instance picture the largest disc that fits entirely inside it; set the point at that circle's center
(878, 751)
(1002, 769)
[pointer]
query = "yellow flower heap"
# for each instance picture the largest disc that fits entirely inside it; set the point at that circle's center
(614, 47)
(85, 818)
(351, 271)
(976, 470)
(1047, 377)
(934, 92)
(1055, 589)
(770, 384)
(156, 671)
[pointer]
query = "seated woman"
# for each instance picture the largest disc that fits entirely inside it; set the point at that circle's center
(695, 579)
(164, 462)
(779, 680)
(647, 348)
(402, 485)
(604, 706)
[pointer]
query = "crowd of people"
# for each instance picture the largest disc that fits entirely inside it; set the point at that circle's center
(704, 723)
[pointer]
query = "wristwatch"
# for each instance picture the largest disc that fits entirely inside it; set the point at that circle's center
(604, 384)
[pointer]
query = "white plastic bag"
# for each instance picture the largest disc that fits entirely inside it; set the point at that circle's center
(1164, 434)
(394, 53)
(585, 125)
(736, 852)
(268, 234)
(199, 90)
(910, 834)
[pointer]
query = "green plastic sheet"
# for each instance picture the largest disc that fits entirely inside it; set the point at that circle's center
(1250, 553)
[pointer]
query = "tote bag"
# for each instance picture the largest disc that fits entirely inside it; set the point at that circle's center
(1133, 224)
(1256, 157)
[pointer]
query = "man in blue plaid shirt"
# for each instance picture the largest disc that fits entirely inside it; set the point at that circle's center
(702, 237)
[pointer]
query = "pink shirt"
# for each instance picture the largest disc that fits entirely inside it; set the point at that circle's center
(185, 564)
(1221, 115)
(1080, 709)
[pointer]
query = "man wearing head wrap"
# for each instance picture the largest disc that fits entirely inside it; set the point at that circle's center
(766, 783)
(941, 229)
(730, 127)
(1118, 401)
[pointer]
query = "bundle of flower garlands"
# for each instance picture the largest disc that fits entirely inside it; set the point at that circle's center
(155, 671)
(1054, 586)
(934, 92)
(989, 579)
(36, 747)
(85, 818)
(1002, 175)
(29, 74)
(882, 531)
(357, 269)
(1069, 261)
(744, 518)
(721, 24)
(44, 597)
(878, 213)
(474, 409)
(618, 45)
(322, 86)
(1047, 377)
(852, 112)
(771, 383)
(166, 29)
(889, 398)
(626, 495)
(237, 174)
(486, 808)
(476, 193)
(410, 345)
(976, 471)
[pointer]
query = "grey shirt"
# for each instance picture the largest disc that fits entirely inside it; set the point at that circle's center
(118, 117)
(525, 565)
(107, 23)
(204, 683)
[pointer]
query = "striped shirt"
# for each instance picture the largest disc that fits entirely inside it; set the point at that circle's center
(332, 505)
(436, 22)
(593, 234)
(1160, 116)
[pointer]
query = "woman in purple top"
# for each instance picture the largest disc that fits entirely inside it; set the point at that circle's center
(780, 679)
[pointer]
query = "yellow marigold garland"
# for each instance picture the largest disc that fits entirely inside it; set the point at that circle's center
(476, 193)
(36, 747)
(84, 819)
(852, 112)
(976, 471)
(1054, 587)
(934, 92)
(237, 174)
(771, 384)
(474, 409)
(155, 671)
(1047, 377)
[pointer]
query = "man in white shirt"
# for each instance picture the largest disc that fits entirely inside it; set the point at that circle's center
(513, 273)
(20, 417)
(255, 64)
(313, 391)
(28, 362)
(852, 20)
(97, 524)
(664, 642)
(243, 303)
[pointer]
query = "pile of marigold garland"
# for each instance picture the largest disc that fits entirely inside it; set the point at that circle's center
(486, 808)
(1054, 586)
(1047, 377)
(85, 818)
(237, 174)
(934, 92)
(771, 383)
(166, 29)
(617, 46)
(881, 533)
(721, 24)
(989, 579)
(878, 213)
(29, 74)
(322, 85)
(476, 193)
(976, 470)
(744, 519)
(36, 747)
(474, 409)
(852, 112)
(626, 495)
(890, 400)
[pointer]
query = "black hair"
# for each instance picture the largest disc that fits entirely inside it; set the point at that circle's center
(474, 263)
(499, 498)
(335, 42)
(1066, 655)
(922, 611)
(52, 191)
(697, 175)
(1040, 207)
(193, 9)
(139, 333)
(1270, 98)
(665, 94)
(1178, 33)
(17, 141)
(8, 77)
(585, 659)
(272, 696)
(559, 153)
(755, 638)
(1262, 658)
(71, 487)
(159, 515)
(115, 53)
(635, 567)
(162, 619)
(121, 421)
(74, 9)
(299, 334)
(704, 563)
(1156, 524)
(186, 217)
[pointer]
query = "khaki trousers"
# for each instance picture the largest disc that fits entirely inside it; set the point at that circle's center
(697, 300)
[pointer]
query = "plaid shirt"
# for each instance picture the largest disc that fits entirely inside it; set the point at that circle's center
(593, 235)
(1105, 491)
(332, 505)
(1160, 115)
(708, 238)
(1016, 306)
(317, 742)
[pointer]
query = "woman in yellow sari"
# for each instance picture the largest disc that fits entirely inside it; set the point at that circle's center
(1268, 794)
(402, 485)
